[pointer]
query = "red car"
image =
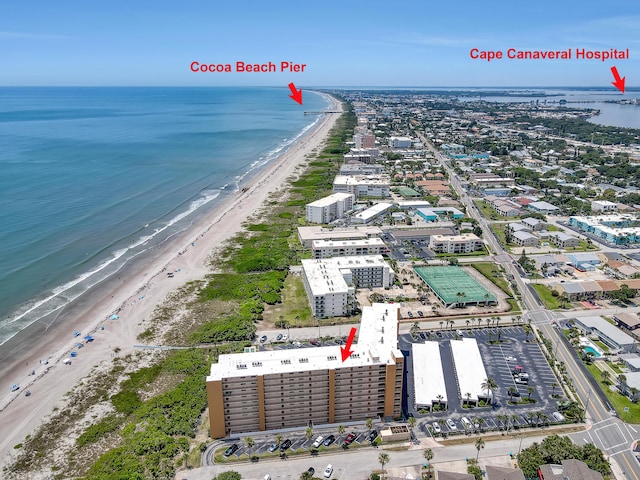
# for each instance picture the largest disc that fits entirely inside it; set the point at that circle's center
(350, 438)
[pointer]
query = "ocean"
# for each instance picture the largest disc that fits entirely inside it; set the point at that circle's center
(92, 178)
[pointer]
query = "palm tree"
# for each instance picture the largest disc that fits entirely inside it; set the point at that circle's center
(554, 385)
(308, 433)
(514, 419)
(369, 423)
(306, 475)
(479, 321)
(480, 421)
(622, 378)
(415, 328)
(530, 390)
(439, 397)
(512, 391)
(427, 454)
(530, 416)
(543, 417)
(383, 459)
(489, 385)
(479, 443)
(527, 330)
(488, 320)
(341, 429)
(412, 422)
(451, 324)
(441, 323)
(605, 376)
(249, 442)
(467, 321)
(441, 423)
(278, 439)
(468, 395)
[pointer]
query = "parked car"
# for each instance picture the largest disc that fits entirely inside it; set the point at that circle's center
(285, 337)
(451, 424)
(410, 314)
(318, 441)
(279, 337)
(285, 445)
(314, 342)
(420, 313)
(328, 471)
(231, 450)
(329, 440)
(263, 338)
(372, 436)
(436, 427)
(311, 470)
(511, 359)
(350, 438)
(272, 448)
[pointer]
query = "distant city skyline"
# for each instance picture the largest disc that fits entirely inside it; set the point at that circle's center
(374, 43)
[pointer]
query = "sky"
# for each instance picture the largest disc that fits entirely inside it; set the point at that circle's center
(342, 43)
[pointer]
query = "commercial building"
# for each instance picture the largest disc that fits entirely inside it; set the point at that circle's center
(371, 213)
(276, 389)
(328, 209)
(428, 377)
(362, 185)
(615, 338)
(330, 282)
(307, 235)
(465, 243)
(344, 248)
(621, 229)
(542, 207)
(470, 371)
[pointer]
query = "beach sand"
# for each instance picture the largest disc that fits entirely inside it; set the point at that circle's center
(134, 297)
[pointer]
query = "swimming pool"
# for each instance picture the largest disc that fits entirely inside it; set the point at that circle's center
(589, 348)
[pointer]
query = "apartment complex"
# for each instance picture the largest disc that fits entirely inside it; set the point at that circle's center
(465, 243)
(621, 229)
(307, 235)
(362, 185)
(329, 208)
(330, 282)
(250, 392)
(343, 248)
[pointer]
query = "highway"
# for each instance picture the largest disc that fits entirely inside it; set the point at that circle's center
(604, 430)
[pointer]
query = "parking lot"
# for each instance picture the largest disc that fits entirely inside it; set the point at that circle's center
(299, 443)
(500, 359)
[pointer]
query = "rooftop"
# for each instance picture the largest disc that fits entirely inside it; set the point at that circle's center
(428, 377)
(330, 200)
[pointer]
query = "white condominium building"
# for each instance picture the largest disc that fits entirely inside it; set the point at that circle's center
(343, 248)
(328, 209)
(330, 282)
(465, 243)
(362, 185)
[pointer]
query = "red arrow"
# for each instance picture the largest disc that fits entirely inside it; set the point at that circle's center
(346, 351)
(296, 94)
(619, 83)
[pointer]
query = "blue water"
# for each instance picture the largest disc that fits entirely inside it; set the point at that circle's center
(92, 177)
(592, 350)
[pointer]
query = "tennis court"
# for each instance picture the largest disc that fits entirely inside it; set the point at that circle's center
(453, 286)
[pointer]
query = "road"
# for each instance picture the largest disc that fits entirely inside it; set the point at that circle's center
(608, 433)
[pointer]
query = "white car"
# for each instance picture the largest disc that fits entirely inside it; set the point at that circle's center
(511, 359)
(285, 337)
(318, 441)
(328, 471)
(451, 424)
(436, 427)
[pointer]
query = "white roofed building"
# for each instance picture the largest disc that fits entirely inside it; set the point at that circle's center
(363, 185)
(465, 243)
(470, 371)
(328, 209)
(343, 248)
(428, 377)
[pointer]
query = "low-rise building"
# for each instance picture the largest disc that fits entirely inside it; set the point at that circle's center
(615, 338)
(465, 243)
(543, 207)
(307, 235)
(347, 248)
(328, 209)
(604, 206)
(371, 213)
(470, 371)
(535, 224)
(525, 239)
(570, 469)
(362, 185)
(621, 229)
(563, 240)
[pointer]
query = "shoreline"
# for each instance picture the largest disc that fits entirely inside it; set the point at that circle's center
(134, 297)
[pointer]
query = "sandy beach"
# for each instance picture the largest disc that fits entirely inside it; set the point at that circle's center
(133, 297)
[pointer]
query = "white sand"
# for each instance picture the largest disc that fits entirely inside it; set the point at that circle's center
(20, 415)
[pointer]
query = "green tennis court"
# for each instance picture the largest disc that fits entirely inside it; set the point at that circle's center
(454, 286)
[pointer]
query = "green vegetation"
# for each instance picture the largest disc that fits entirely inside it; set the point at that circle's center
(230, 475)
(618, 400)
(294, 309)
(493, 273)
(554, 449)
(551, 302)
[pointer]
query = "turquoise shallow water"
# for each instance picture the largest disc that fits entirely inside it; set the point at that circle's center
(92, 177)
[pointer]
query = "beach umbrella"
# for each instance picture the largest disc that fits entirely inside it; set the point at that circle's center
(114, 317)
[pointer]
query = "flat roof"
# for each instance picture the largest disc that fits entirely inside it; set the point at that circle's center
(324, 278)
(377, 345)
(361, 180)
(522, 235)
(373, 211)
(428, 377)
(317, 232)
(330, 200)
(469, 368)
(607, 329)
(448, 281)
(360, 242)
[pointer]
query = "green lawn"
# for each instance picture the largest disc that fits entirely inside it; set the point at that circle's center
(487, 211)
(619, 401)
(294, 304)
(493, 273)
(551, 302)
(498, 229)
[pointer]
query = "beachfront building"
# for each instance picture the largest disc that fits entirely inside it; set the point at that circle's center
(363, 185)
(621, 229)
(330, 283)
(292, 388)
(347, 248)
(370, 214)
(359, 168)
(429, 388)
(364, 140)
(470, 371)
(328, 209)
(307, 235)
(465, 243)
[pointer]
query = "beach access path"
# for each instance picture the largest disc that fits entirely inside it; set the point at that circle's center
(134, 299)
